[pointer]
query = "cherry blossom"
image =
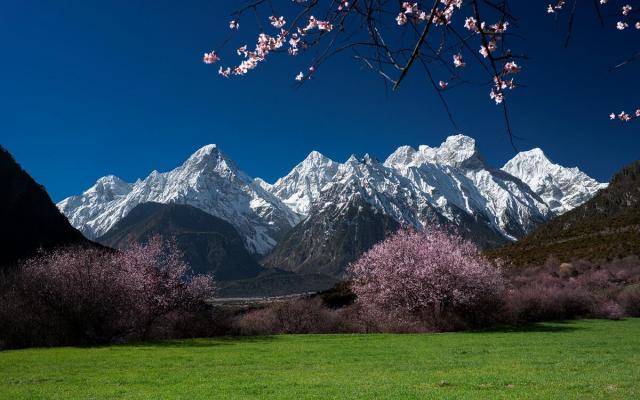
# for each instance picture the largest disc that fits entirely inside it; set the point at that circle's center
(624, 116)
(233, 24)
(423, 275)
(278, 22)
(471, 24)
(210, 58)
(511, 68)
(443, 84)
(458, 61)
(401, 19)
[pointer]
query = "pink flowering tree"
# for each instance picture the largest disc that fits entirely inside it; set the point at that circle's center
(393, 38)
(101, 296)
(431, 276)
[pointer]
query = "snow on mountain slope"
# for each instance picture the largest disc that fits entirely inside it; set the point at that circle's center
(208, 180)
(300, 187)
(561, 188)
(454, 176)
(366, 199)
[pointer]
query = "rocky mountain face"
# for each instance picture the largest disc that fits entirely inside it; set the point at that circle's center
(208, 180)
(450, 185)
(562, 188)
(30, 220)
(606, 226)
(323, 214)
(209, 244)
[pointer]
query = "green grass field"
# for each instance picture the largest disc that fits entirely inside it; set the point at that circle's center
(583, 359)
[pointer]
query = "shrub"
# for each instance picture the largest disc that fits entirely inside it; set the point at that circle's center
(580, 289)
(535, 302)
(293, 316)
(95, 296)
(629, 299)
(432, 277)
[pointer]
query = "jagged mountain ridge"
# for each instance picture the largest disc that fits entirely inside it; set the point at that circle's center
(562, 188)
(606, 226)
(449, 184)
(208, 180)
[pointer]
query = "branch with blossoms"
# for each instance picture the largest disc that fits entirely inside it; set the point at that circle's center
(626, 16)
(441, 37)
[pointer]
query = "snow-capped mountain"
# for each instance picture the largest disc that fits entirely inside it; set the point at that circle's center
(447, 185)
(208, 180)
(455, 178)
(346, 207)
(300, 187)
(561, 188)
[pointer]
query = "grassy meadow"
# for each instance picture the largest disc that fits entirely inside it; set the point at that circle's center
(580, 359)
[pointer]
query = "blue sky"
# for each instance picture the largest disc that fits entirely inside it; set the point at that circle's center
(91, 88)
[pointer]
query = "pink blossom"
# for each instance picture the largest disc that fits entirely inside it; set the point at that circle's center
(471, 24)
(621, 25)
(485, 51)
(553, 8)
(497, 96)
(623, 116)
(458, 61)
(401, 19)
(410, 8)
(626, 9)
(210, 58)
(325, 26)
(423, 274)
(233, 24)
(278, 22)
(443, 84)
(511, 68)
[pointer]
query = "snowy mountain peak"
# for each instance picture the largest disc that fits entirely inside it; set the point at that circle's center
(352, 159)
(208, 180)
(457, 151)
(315, 156)
(560, 187)
(111, 183)
(300, 187)
(210, 156)
(369, 159)
(404, 155)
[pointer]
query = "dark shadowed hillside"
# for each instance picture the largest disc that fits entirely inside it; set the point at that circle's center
(327, 242)
(209, 244)
(607, 226)
(29, 219)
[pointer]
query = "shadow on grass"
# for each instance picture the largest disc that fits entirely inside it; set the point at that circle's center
(205, 342)
(546, 327)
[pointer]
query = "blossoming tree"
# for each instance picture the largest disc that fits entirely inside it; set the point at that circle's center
(428, 276)
(102, 295)
(392, 37)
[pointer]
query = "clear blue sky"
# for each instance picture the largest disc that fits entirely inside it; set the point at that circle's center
(91, 88)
